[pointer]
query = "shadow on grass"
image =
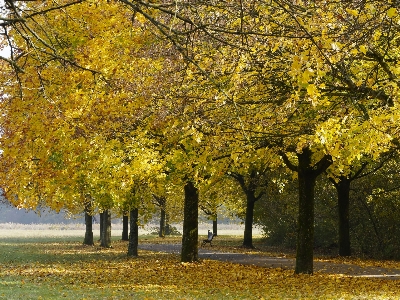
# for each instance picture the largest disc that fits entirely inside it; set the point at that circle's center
(52, 249)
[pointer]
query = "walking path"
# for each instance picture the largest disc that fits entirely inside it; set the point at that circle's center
(278, 262)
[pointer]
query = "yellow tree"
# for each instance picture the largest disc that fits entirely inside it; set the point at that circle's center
(279, 70)
(74, 127)
(252, 170)
(115, 83)
(268, 73)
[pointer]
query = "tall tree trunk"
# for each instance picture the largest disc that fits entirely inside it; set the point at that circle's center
(215, 225)
(101, 227)
(89, 227)
(248, 222)
(161, 232)
(134, 234)
(167, 225)
(305, 230)
(307, 176)
(106, 234)
(190, 224)
(343, 191)
(249, 188)
(125, 228)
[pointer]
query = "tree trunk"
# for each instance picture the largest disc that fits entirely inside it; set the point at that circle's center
(343, 191)
(89, 229)
(305, 230)
(125, 228)
(305, 233)
(106, 234)
(307, 175)
(248, 222)
(101, 227)
(161, 232)
(190, 224)
(215, 226)
(134, 234)
(167, 225)
(249, 188)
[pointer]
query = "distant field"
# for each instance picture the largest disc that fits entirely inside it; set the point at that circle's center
(61, 230)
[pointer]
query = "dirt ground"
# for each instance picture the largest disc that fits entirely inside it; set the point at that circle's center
(350, 270)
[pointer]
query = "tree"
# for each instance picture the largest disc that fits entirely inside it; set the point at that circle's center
(190, 224)
(106, 232)
(325, 72)
(134, 233)
(270, 73)
(161, 202)
(221, 197)
(307, 175)
(342, 185)
(250, 191)
(251, 173)
(90, 113)
(374, 212)
(125, 228)
(210, 209)
(88, 222)
(16, 15)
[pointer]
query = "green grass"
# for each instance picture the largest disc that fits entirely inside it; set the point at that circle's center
(23, 256)
(62, 268)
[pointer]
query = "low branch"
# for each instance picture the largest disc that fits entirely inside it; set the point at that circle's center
(287, 162)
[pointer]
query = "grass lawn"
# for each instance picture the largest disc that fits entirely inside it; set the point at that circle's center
(62, 268)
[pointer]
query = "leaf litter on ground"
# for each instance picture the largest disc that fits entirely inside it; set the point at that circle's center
(84, 272)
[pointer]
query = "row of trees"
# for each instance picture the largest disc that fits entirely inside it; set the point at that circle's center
(107, 103)
(371, 226)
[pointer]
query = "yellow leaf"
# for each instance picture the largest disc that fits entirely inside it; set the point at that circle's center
(311, 89)
(354, 51)
(363, 49)
(392, 12)
(352, 12)
(396, 71)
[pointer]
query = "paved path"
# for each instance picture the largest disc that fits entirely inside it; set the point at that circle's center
(278, 262)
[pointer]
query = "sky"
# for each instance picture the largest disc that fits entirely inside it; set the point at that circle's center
(4, 52)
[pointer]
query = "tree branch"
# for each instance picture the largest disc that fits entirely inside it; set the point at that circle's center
(287, 162)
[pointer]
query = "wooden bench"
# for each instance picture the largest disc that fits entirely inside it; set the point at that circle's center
(209, 239)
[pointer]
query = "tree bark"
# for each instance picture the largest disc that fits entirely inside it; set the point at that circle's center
(343, 191)
(134, 234)
(125, 228)
(307, 175)
(249, 189)
(190, 224)
(305, 230)
(215, 226)
(161, 202)
(89, 228)
(167, 225)
(106, 233)
(248, 222)
(161, 232)
(101, 227)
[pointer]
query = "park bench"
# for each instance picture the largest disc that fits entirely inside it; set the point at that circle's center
(209, 239)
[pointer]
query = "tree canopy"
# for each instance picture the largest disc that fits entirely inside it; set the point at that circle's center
(105, 97)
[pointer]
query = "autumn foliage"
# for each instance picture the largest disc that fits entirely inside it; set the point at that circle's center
(59, 269)
(107, 103)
